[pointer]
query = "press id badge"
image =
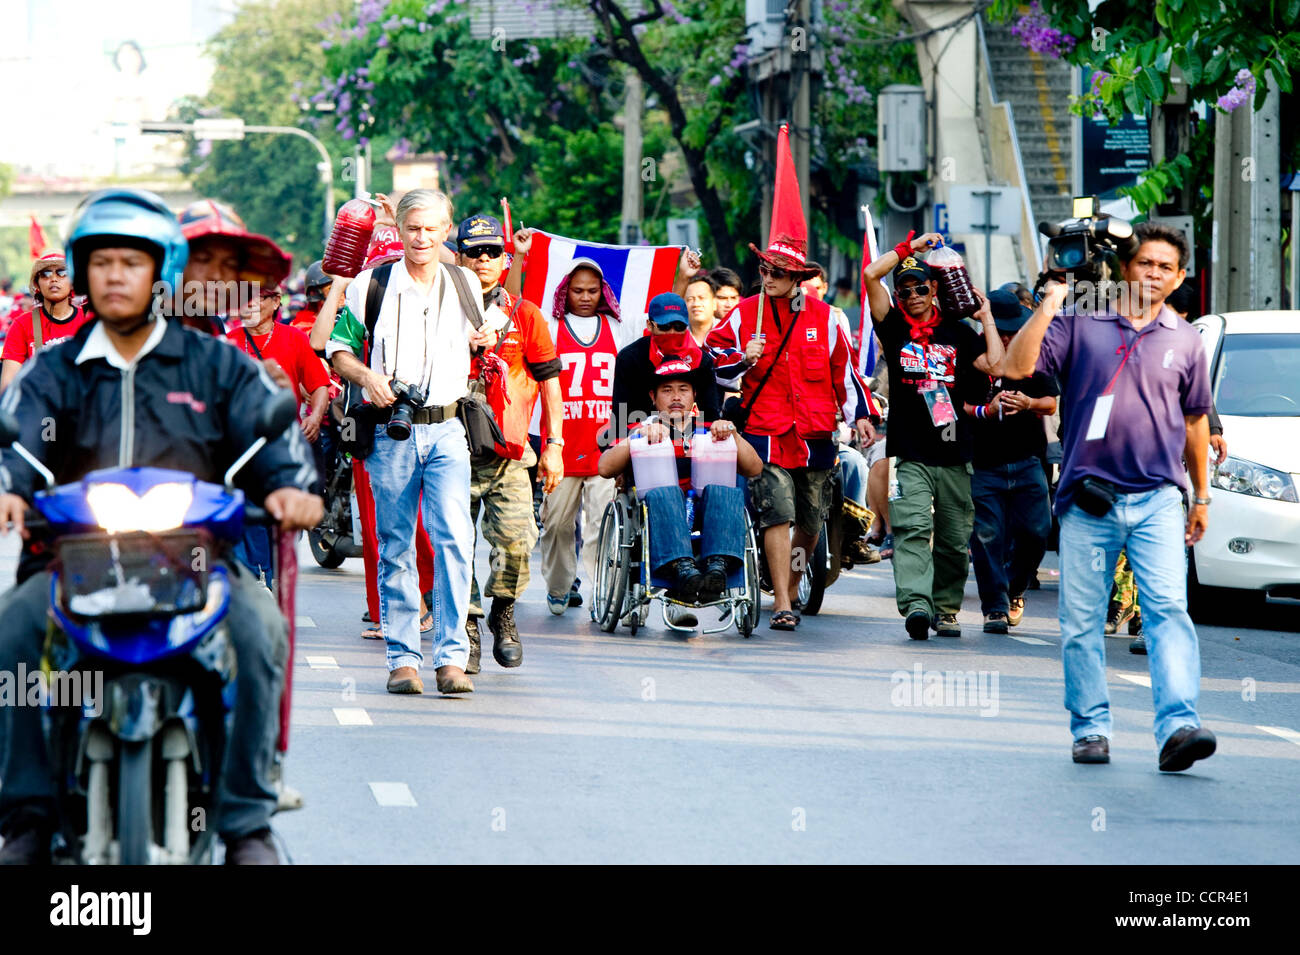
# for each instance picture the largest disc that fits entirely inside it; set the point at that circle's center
(1100, 416)
(938, 401)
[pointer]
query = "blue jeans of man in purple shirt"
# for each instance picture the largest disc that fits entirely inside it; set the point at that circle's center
(1155, 379)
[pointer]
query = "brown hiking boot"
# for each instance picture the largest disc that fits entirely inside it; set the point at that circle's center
(452, 679)
(405, 680)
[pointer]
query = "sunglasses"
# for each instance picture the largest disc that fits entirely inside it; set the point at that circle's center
(47, 273)
(772, 272)
(912, 291)
(676, 325)
(490, 251)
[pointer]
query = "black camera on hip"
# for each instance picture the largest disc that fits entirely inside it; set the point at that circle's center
(407, 399)
(1096, 496)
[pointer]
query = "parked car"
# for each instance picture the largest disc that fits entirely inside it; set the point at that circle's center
(1253, 541)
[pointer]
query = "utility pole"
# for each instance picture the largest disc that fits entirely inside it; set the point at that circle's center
(1247, 252)
(633, 104)
(801, 76)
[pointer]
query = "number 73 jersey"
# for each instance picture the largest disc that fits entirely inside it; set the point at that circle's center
(586, 389)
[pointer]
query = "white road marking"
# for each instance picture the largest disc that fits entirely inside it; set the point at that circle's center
(322, 663)
(1287, 734)
(352, 716)
(1141, 679)
(392, 794)
(304, 622)
(1032, 641)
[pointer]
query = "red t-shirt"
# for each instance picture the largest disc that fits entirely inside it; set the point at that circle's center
(290, 349)
(20, 344)
(304, 320)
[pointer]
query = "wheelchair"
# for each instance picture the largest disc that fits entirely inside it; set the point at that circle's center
(625, 588)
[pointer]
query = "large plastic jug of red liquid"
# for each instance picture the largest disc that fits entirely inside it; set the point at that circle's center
(653, 465)
(350, 238)
(712, 462)
(957, 297)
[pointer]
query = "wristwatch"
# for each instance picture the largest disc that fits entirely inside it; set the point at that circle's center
(555, 441)
(1202, 500)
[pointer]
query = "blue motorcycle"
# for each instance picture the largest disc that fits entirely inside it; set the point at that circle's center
(139, 666)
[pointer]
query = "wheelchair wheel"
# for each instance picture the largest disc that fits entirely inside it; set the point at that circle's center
(610, 590)
(812, 586)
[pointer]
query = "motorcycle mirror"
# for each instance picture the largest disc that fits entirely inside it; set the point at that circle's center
(8, 429)
(276, 415)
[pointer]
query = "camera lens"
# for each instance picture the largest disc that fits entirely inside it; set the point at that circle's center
(1070, 254)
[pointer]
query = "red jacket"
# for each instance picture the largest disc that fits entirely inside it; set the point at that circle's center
(813, 378)
(529, 352)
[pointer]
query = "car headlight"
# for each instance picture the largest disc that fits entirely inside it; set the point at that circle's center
(161, 508)
(1247, 477)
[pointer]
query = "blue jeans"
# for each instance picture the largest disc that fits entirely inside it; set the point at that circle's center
(1012, 522)
(853, 475)
(720, 514)
(435, 460)
(1150, 524)
(256, 552)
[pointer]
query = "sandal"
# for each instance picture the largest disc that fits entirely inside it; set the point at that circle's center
(425, 628)
(783, 620)
(372, 633)
(887, 547)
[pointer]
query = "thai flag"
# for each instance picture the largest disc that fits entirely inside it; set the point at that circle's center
(636, 273)
(866, 336)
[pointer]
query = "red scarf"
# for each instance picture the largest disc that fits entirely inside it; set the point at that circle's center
(923, 328)
(681, 346)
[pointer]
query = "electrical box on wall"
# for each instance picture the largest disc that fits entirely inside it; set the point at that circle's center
(901, 128)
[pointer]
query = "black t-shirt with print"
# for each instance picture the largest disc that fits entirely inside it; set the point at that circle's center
(1017, 436)
(944, 365)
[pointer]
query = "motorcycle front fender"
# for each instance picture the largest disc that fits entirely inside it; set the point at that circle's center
(134, 708)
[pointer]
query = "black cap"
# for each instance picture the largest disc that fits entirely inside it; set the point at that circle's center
(480, 229)
(1008, 314)
(911, 268)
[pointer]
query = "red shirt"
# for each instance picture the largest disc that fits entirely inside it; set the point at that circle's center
(587, 388)
(304, 320)
(526, 346)
(290, 349)
(21, 345)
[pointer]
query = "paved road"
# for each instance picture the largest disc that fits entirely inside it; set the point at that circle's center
(786, 747)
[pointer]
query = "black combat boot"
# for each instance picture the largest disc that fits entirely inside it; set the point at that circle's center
(506, 648)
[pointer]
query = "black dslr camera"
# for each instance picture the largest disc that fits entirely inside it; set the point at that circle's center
(407, 400)
(1085, 248)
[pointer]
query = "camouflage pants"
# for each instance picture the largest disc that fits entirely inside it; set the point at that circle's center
(1124, 593)
(503, 491)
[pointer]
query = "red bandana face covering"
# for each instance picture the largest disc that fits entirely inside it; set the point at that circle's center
(677, 344)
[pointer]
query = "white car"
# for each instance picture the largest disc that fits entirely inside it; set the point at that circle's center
(1253, 540)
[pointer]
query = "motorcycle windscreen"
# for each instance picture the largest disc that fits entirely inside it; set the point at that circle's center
(111, 575)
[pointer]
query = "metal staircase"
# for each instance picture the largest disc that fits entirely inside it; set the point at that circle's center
(1038, 89)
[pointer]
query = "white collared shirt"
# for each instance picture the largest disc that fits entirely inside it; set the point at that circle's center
(433, 350)
(99, 345)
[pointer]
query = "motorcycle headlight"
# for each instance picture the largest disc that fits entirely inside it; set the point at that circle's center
(161, 508)
(1247, 477)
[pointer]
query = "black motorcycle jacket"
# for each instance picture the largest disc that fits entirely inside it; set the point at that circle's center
(189, 404)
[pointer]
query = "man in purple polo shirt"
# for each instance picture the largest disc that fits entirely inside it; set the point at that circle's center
(1135, 391)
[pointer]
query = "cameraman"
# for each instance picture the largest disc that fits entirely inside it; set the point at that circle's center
(1136, 381)
(433, 357)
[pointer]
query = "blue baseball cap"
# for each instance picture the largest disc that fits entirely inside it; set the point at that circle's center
(480, 229)
(668, 307)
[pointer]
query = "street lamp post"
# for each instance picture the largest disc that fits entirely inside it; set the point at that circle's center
(234, 128)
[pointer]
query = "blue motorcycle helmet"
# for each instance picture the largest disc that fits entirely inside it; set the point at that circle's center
(135, 215)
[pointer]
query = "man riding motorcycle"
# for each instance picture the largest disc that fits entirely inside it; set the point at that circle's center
(137, 390)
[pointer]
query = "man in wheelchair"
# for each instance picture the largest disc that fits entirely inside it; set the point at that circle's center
(719, 511)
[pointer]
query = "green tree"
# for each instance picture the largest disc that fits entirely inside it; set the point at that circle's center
(266, 60)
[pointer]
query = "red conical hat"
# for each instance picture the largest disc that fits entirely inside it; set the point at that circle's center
(787, 238)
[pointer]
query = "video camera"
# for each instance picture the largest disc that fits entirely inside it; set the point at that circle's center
(1085, 248)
